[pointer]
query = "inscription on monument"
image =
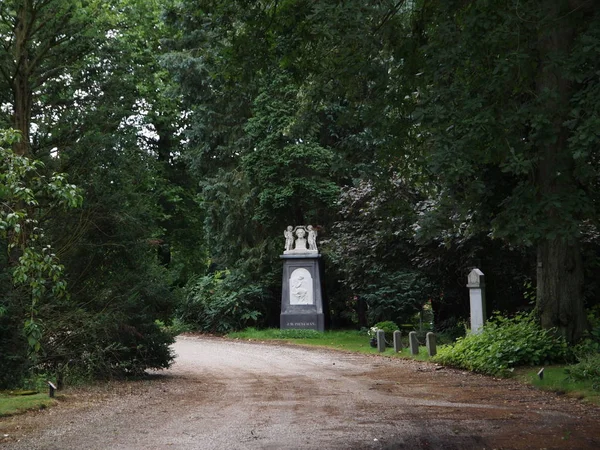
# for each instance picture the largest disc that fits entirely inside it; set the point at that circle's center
(302, 324)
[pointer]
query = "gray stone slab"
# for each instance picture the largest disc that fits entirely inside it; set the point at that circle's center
(301, 297)
(430, 342)
(380, 341)
(413, 343)
(397, 341)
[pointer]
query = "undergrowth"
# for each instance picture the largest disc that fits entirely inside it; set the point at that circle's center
(503, 344)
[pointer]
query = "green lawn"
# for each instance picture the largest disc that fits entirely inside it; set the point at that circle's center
(556, 380)
(352, 341)
(14, 404)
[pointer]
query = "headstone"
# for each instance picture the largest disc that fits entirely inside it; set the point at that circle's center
(397, 341)
(476, 285)
(301, 298)
(380, 341)
(413, 343)
(430, 343)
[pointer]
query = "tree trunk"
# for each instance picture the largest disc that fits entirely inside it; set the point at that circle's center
(560, 298)
(21, 82)
(560, 288)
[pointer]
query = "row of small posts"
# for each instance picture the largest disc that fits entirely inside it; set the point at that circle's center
(476, 285)
(413, 343)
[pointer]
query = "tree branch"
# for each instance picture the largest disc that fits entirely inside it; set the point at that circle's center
(391, 13)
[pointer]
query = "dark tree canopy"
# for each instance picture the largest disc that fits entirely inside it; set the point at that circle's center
(422, 138)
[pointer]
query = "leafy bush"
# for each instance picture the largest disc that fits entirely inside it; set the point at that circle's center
(590, 344)
(388, 327)
(503, 344)
(588, 369)
(221, 302)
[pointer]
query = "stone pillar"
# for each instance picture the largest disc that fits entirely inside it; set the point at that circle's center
(431, 344)
(413, 342)
(301, 299)
(380, 341)
(397, 341)
(476, 285)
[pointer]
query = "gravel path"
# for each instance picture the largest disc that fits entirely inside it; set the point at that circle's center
(223, 394)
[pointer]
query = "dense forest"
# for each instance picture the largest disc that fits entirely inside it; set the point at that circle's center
(153, 152)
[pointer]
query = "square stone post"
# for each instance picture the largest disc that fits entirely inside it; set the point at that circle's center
(380, 341)
(413, 342)
(431, 344)
(476, 285)
(397, 341)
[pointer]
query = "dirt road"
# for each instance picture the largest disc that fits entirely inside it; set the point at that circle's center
(224, 394)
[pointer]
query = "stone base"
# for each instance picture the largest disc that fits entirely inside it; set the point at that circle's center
(305, 321)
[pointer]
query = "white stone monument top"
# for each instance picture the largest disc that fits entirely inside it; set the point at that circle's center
(301, 239)
(475, 279)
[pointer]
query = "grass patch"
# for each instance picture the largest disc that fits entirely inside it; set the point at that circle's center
(556, 380)
(11, 404)
(347, 340)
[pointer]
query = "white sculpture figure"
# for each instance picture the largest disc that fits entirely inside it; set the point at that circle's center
(312, 238)
(301, 241)
(298, 290)
(296, 240)
(301, 287)
(289, 238)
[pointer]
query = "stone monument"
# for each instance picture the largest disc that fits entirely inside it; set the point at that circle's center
(301, 299)
(476, 285)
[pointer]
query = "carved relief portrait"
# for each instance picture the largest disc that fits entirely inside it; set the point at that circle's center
(301, 287)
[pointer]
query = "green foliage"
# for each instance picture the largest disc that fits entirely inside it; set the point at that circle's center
(590, 343)
(221, 302)
(587, 369)
(32, 276)
(505, 119)
(587, 352)
(387, 326)
(102, 114)
(503, 344)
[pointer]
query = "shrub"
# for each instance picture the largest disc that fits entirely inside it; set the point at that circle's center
(388, 327)
(503, 344)
(588, 369)
(221, 302)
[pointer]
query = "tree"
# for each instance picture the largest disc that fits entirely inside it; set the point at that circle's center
(506, 110)
(30, 273)
(285, 101)
(92, 102)
(40, 38)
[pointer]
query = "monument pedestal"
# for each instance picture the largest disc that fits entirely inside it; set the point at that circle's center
(301, 298)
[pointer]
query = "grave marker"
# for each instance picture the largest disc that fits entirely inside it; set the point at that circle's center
(380, 341)
(431, 344)
(413, 342)
(476, 285)
(397, 341)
